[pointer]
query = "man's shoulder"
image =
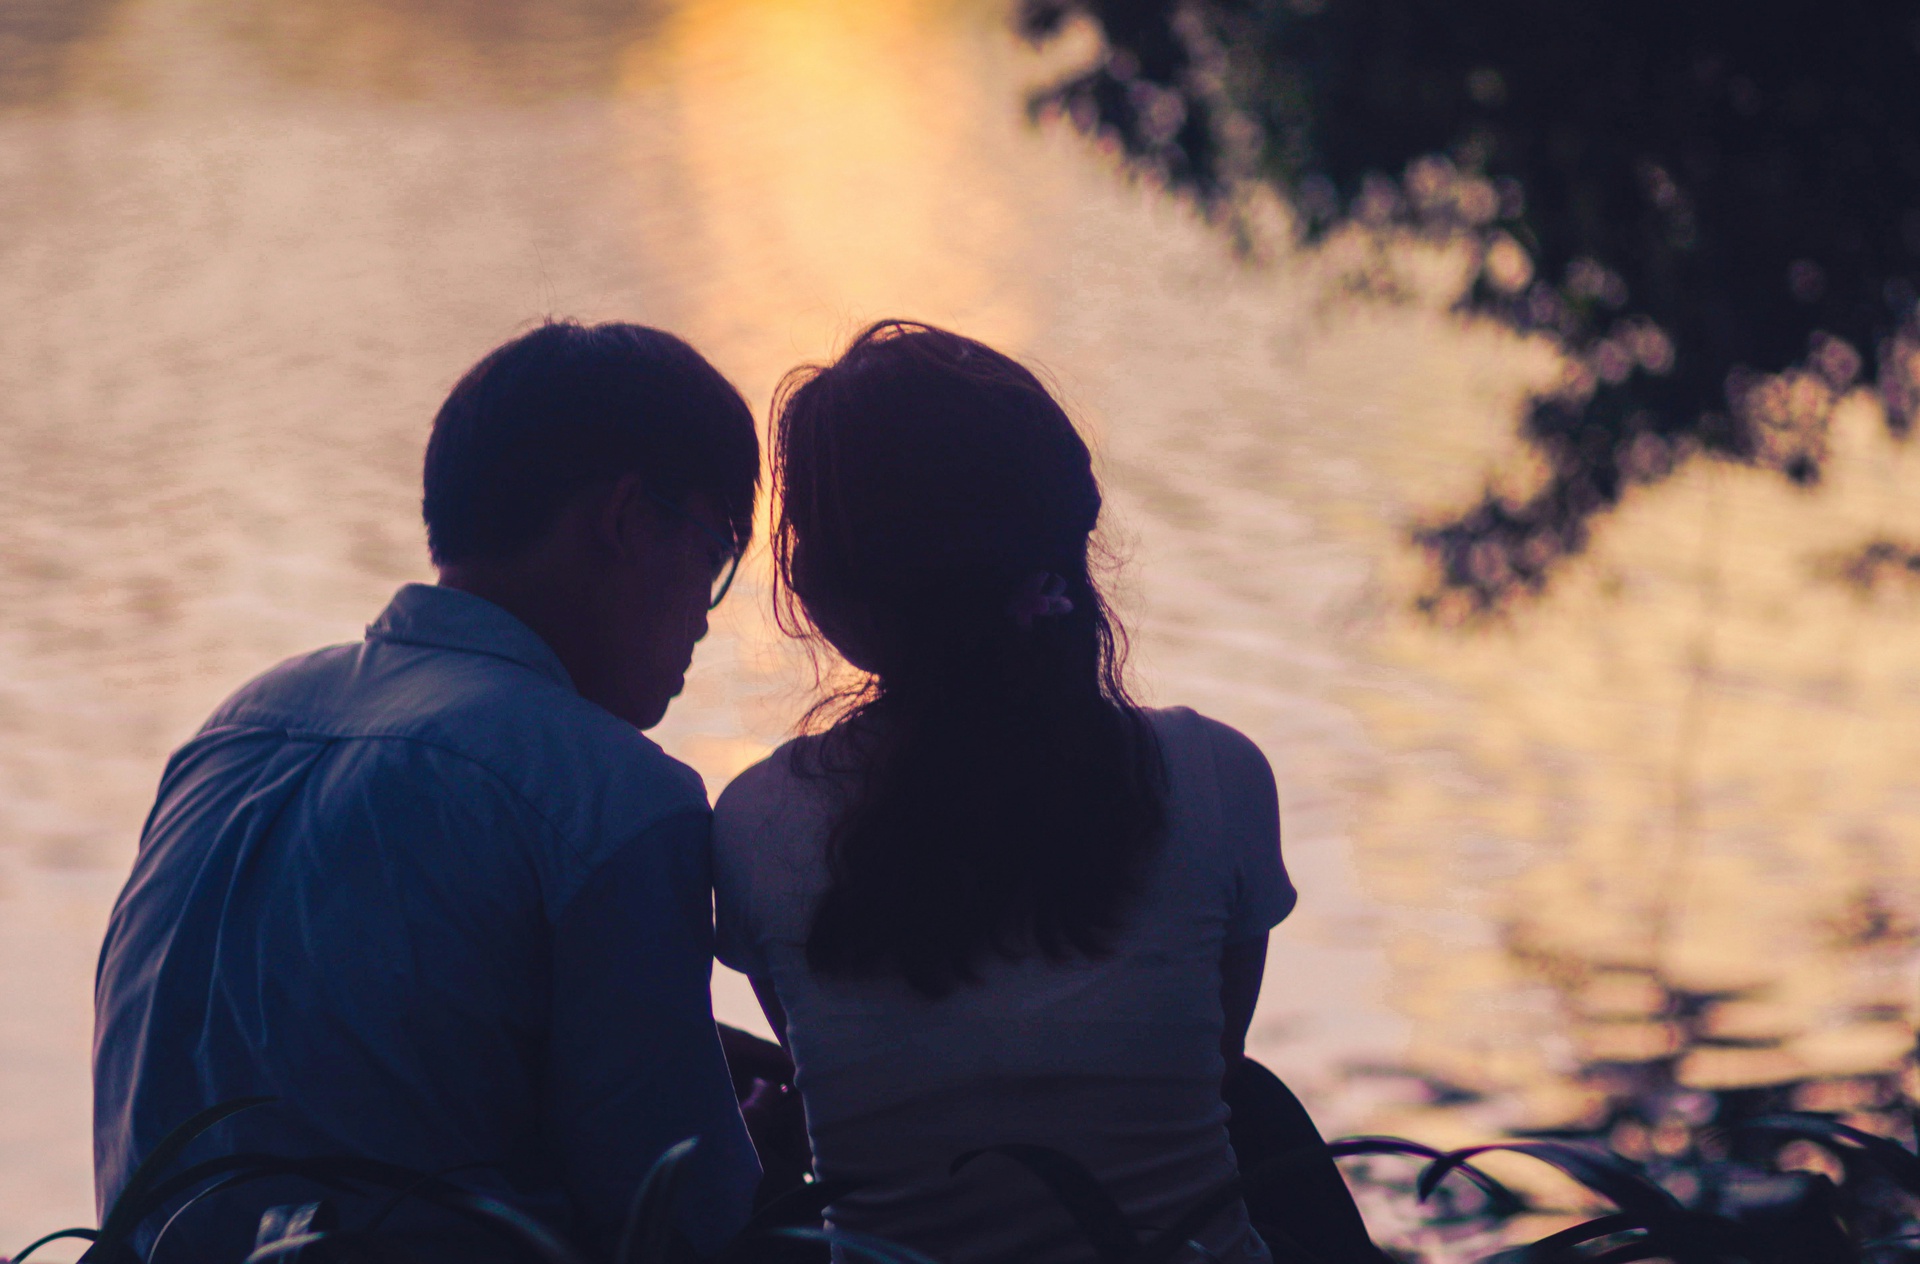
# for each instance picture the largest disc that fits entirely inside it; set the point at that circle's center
(583, 768)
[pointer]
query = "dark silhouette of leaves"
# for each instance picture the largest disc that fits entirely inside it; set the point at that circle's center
(1693, 200)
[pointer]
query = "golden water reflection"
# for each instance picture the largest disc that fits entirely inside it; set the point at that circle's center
(1692, 768)
(831, 163)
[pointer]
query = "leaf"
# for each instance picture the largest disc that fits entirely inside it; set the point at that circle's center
(412, 1189)
(1898, 1163)
(1502, 1201)
(649, 1226)
(134, 1204)
(338, 1174)
(878, 1250)
(531, 1233)
(153, 1251)
(1644, 1249)
(1613, 1178)
(1561, 1244)
(349, 1174)
(1091, 1207)
(510, 1222)
(85, 1235)
(284, 1245)
(239, 1169)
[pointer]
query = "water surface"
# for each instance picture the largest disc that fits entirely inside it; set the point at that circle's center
(246, 246)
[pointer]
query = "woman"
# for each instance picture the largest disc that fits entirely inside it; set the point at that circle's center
(995, 900)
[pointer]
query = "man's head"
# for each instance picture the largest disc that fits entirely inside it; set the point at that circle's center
(593, 480)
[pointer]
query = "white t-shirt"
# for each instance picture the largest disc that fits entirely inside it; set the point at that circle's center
(1116, 1062)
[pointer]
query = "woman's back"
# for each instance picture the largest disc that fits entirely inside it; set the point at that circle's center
(1114, 1060)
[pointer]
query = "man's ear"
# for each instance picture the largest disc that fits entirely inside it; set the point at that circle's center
(627, 520)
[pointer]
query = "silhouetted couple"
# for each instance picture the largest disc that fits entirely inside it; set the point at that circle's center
(437, 896)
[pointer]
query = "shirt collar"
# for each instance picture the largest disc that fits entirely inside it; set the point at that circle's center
(446, 618)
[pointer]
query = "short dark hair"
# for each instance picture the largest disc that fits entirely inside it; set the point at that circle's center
(565, 406)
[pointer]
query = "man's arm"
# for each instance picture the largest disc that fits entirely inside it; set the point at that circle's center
(635, 1063)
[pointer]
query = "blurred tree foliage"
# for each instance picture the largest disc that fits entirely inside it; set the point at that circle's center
(1714, 206)
(37, 38)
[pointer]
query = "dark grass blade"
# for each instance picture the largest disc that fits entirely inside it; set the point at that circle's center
(1076, 1189)
(1847, 1143)
(509, 1222)
(1560, 1246)
(516, 1224)
(859, 1245)
(1163, 1246)
(351, 1175)
(1501, 1201)
(160, 1238)
(272, 1250)
(1672, 1231)
(1645, 1249)
(1613, 1178)
(134, 1203)
(59, 1235)
(342, 1173)
(1700, 1237)
(413, 1190)
(649, 1226)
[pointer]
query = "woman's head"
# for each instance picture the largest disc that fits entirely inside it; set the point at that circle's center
(935, 511)
(925, 477)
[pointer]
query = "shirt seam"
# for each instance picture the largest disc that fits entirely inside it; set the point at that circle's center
(563, 680)
(546, 823)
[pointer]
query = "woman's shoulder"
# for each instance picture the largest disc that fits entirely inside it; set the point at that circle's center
(1224, 800)
(1186, 730)
(770, 780)
(789, 791)
(769, 834)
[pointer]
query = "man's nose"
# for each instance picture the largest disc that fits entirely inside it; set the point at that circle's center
(700, 626)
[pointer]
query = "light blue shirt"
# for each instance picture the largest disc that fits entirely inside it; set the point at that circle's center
(450, 913)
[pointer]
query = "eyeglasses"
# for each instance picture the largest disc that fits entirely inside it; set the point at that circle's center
(726, 563)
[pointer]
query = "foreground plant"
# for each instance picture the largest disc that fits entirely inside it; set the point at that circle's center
(783, 1231)
(1801, 1222)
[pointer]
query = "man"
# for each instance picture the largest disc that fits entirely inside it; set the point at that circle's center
(434, 893)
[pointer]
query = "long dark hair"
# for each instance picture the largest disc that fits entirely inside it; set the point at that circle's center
(999, 791)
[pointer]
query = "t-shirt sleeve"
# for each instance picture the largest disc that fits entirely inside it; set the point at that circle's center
(738, 940)
(1250, 820)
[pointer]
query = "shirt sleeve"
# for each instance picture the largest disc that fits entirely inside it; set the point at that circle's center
(1250, 821)
(635, 1062)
